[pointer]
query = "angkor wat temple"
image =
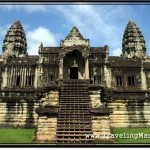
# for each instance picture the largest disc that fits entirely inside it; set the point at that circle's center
(74, 89)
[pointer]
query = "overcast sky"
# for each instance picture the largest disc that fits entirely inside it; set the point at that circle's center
(101, 24)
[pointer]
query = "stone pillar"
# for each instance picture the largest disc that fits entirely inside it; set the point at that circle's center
(47, 126)
(101, 125)
(36, 78)
(100, 117)
(40, 73)
(5, 76)
(143, 80)
(61, 68)
(86, 68)
(95, 98)
(47, 116)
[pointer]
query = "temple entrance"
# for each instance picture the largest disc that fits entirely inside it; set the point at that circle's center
(73, 72)
(73, 65)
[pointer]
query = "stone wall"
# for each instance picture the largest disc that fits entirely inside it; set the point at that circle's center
(18, 113)
(130, 113)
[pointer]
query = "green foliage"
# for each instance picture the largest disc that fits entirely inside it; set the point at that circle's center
(135, 138)
(16, 135)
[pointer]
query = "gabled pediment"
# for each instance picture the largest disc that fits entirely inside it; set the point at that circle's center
(74, 38)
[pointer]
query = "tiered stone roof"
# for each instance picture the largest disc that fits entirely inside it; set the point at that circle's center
(14, 44)
(133, 43)
(119, 62)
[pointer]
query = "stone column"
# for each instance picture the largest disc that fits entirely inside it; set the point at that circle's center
(100, 117)
(95, 98)
(101, 126)
(143, 80)
(5, 75)
(86, 68)
(46, 131)
(36, 78)
(61, 68)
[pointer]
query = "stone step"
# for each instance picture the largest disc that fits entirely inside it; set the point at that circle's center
(73, 118)
(72, 132)
(81, 126)
(77, 136)
(64, 97)
(79, 140)
(73, 128)
(72, 89)
(74, 112)
(74, 121)
(87, 118)
(74, 103)
(73, 115)
(74, 85)
(74, 100)
(74, 96)
(74, 108)
(72, 92)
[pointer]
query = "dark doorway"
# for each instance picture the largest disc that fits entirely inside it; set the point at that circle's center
(74, 73)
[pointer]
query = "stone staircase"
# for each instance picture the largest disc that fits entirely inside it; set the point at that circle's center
(74, 117)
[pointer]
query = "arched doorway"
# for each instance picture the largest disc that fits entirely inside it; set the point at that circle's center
(73, 65)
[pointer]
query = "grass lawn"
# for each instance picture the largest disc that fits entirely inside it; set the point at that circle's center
(26, 135)
(16, 135)
(133, 131)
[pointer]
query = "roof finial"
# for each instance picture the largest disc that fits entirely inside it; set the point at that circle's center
(131, 21)
(41, 45)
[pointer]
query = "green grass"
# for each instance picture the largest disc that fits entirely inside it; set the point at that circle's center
(26, 135)
(133, 131)
(16, 135)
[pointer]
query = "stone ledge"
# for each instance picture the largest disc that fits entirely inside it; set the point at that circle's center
(94, 87)
(101, 110)
(47, 109)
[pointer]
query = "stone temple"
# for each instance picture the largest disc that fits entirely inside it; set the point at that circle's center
(71, 92)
